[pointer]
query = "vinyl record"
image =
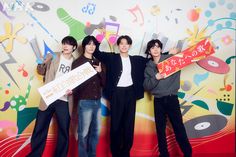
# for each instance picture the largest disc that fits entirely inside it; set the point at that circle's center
(40, 6)
(204, 125)
(214, 64)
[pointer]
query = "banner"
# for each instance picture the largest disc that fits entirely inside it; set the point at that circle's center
(193, 54)
(57, 88)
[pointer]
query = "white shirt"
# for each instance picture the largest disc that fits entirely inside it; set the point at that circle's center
(63, 68)
(125, 78)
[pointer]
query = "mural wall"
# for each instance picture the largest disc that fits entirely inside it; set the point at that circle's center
(30, 29)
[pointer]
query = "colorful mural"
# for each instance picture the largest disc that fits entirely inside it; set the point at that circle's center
(30, 29)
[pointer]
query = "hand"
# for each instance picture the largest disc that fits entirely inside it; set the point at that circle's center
(174, 51)
(48, 58)
(68, 92)
(98, 67)
(159, 76)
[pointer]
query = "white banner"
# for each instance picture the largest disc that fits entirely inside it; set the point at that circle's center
(58, 87)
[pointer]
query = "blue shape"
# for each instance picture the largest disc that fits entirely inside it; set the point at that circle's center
(221, 2)
(233, 15)
(105, 110)
(228, 24)
(212, 4)
(181, 95)
(230, 6)
(39, 61)
(211, 22)
(198, 78)
(219, 26)
(201, 104)
(208, 13)
(46, 50)
(225, 108)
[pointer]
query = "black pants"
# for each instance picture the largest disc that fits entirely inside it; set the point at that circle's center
(123, 106)
(39, 136)
(169, 106)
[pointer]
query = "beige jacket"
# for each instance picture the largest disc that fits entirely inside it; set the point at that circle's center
(49, 69)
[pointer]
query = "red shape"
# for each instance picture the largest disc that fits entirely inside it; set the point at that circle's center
(214, 64)
(228, 87)
(25, 74)
(193, 15)
(6, 91)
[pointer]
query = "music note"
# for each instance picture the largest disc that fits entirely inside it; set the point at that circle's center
(110, 32)
(133, 12)
(90, 8)
(21, 68)
(226, 87)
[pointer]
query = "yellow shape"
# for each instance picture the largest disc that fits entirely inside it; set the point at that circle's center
(195, 36)
(11, 35)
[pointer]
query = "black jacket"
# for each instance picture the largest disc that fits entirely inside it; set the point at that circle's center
(113, 65)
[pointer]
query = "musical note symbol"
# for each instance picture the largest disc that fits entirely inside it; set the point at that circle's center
(110, 32)
(90, 8)
(137, 9)
(226, 87)
(21, 68)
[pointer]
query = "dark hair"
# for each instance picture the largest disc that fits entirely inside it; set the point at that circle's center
(87, 40)
(151, 44)
(126, 37)
(71, 41)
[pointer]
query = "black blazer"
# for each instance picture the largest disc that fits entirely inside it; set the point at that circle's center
(113, 65)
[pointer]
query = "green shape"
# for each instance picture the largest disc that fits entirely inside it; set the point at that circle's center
(76, 27)
(201, 104)
(18, 103)
(181, 95)
(225, 108)
(24, 118)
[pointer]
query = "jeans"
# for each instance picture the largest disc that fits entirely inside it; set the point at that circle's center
(89, 127)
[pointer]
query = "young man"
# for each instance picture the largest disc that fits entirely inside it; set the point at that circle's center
(89, 95)
(124, 75)
(166, 101)
(53, 68)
